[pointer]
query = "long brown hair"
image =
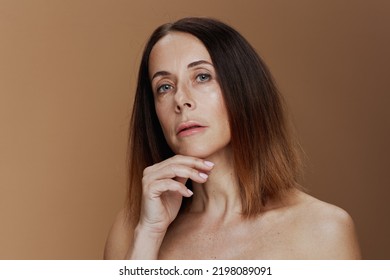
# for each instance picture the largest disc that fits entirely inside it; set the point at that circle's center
(266, 157)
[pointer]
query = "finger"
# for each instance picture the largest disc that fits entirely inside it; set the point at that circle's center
(177, 170)
(196, 163)
(193, 162)
(161, 186)
(181, 180)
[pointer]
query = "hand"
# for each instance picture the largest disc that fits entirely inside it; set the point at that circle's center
(163, 186)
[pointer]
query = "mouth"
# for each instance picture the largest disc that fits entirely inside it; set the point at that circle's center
(189, 128)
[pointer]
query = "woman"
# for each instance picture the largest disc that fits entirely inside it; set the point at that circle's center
(213, 166)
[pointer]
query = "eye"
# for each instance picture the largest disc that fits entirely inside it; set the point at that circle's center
(164, 88)
(203, 77)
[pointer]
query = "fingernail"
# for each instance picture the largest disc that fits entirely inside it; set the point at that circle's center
(190, 192)
(203, 175)
(209, 163)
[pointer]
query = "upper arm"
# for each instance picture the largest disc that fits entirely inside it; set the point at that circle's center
(119, 238)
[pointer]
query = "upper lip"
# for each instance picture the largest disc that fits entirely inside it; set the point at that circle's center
(188, 124)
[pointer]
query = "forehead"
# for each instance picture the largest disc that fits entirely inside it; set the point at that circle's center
(176, 49)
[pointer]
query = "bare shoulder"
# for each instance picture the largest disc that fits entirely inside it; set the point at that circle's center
(119, 238)
(329, 231)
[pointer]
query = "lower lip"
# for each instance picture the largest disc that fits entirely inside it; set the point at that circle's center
(191, 131)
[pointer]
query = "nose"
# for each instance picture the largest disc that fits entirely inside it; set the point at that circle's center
(184, 99)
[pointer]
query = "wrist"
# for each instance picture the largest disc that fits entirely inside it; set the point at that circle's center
(153, 229)
(147, 231)
(146, 243)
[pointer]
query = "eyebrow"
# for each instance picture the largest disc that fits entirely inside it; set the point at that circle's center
(191, 65)
(199, 62)
(160, 73)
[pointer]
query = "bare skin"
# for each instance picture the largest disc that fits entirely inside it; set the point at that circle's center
(285, 232)
(186, 92)
(303, 228)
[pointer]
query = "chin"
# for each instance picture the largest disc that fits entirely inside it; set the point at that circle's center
(193, 150)
(194, 153)
(202, 152)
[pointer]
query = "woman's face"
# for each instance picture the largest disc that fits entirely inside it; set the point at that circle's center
(187, 96)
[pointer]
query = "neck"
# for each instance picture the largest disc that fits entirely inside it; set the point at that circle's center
(219, 197)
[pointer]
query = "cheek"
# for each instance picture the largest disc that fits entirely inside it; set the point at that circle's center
(219, 114)
(223, 115)
(163, 118)
(221, 110)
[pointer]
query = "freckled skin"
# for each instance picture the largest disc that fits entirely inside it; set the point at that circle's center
(296, 227)
(190, 96)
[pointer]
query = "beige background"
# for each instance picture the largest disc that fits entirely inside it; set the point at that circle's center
(67, 72)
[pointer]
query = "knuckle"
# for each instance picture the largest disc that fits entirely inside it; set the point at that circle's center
(144, 181)
(147, 170)
(174, 169)
(195, 173)
(177, 156)
(172, 159)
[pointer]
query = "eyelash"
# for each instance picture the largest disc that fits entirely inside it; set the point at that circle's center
(205, 78)
(161, 90)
